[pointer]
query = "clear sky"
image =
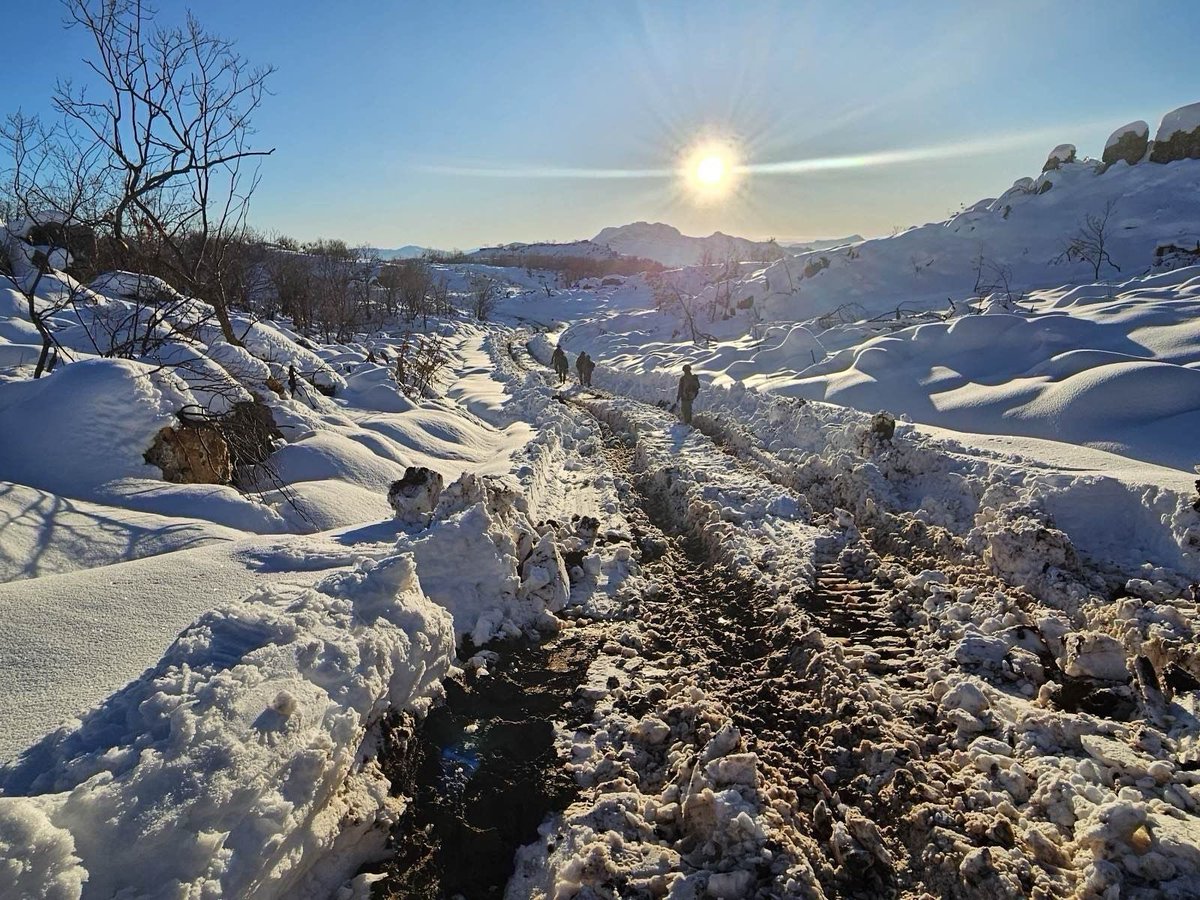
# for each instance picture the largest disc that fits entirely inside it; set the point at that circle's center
(457, 124)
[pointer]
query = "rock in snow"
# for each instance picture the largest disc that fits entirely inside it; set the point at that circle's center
(1129, 142)
(1060, 155)
(1178, 135)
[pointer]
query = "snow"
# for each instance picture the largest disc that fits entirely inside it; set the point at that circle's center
(196, 675)
(45, 534)
(251, 729)
(1133, 390)
(1022, 229)
(67, 431)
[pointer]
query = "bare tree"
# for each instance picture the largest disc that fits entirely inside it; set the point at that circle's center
(484, 294)
(668, 297)
(415, 284)
(172, 116)
(722, 300)
(992, 278)
(54, 185)
(439, 299)
(1090, 243)
(291, 274)
(338, 279)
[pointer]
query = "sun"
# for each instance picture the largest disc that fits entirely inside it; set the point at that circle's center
(709, 170)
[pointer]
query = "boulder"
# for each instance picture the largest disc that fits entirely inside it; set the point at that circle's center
(1063, 153)
(415, 496)
(883, 425)
(1178, 135)
(192, 453)
(1129, 142)
(544, 575)
(1168, 256)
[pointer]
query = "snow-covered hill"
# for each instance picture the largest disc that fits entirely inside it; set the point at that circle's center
(665, 244)
(1015, 242)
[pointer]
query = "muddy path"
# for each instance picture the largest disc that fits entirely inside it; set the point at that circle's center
(482, 770)
(834, 690)
(794, 705)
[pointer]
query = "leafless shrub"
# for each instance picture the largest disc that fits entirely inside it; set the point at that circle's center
(1090, 243)
(419, 360)
(669, 298)
(54, 185)
(992, 279)
(484, 294)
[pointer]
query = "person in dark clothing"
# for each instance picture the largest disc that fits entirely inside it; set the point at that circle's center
(581, 366)
(558, 359)
(588, 370)
(689, 387)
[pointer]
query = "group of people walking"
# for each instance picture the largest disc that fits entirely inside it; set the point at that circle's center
(584, 366)
(685, 394)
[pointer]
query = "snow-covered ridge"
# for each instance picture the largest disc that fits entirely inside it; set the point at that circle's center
(1020, 235)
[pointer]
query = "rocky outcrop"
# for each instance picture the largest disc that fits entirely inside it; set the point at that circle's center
(1178, 136)
(1129, 143)
(192, 453)
(1063, 153)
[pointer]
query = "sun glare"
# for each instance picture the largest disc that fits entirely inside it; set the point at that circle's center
(709, 170)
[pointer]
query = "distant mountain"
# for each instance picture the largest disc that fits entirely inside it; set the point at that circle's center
(665, 243)
(581, 249)
(409, 251)
(823, 244)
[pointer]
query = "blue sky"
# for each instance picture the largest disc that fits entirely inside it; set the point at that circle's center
(380, 109)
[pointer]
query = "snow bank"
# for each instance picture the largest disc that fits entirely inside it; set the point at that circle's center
(241, 764)
(1115, 371)
(85, 424)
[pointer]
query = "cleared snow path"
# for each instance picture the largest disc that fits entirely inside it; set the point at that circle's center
(961, 705)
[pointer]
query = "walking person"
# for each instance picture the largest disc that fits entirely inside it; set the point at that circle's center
(588, 370)
(558, 359)
(689, 387)
(582, 368)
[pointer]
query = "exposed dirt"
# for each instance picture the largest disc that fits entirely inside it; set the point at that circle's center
(483, 772)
